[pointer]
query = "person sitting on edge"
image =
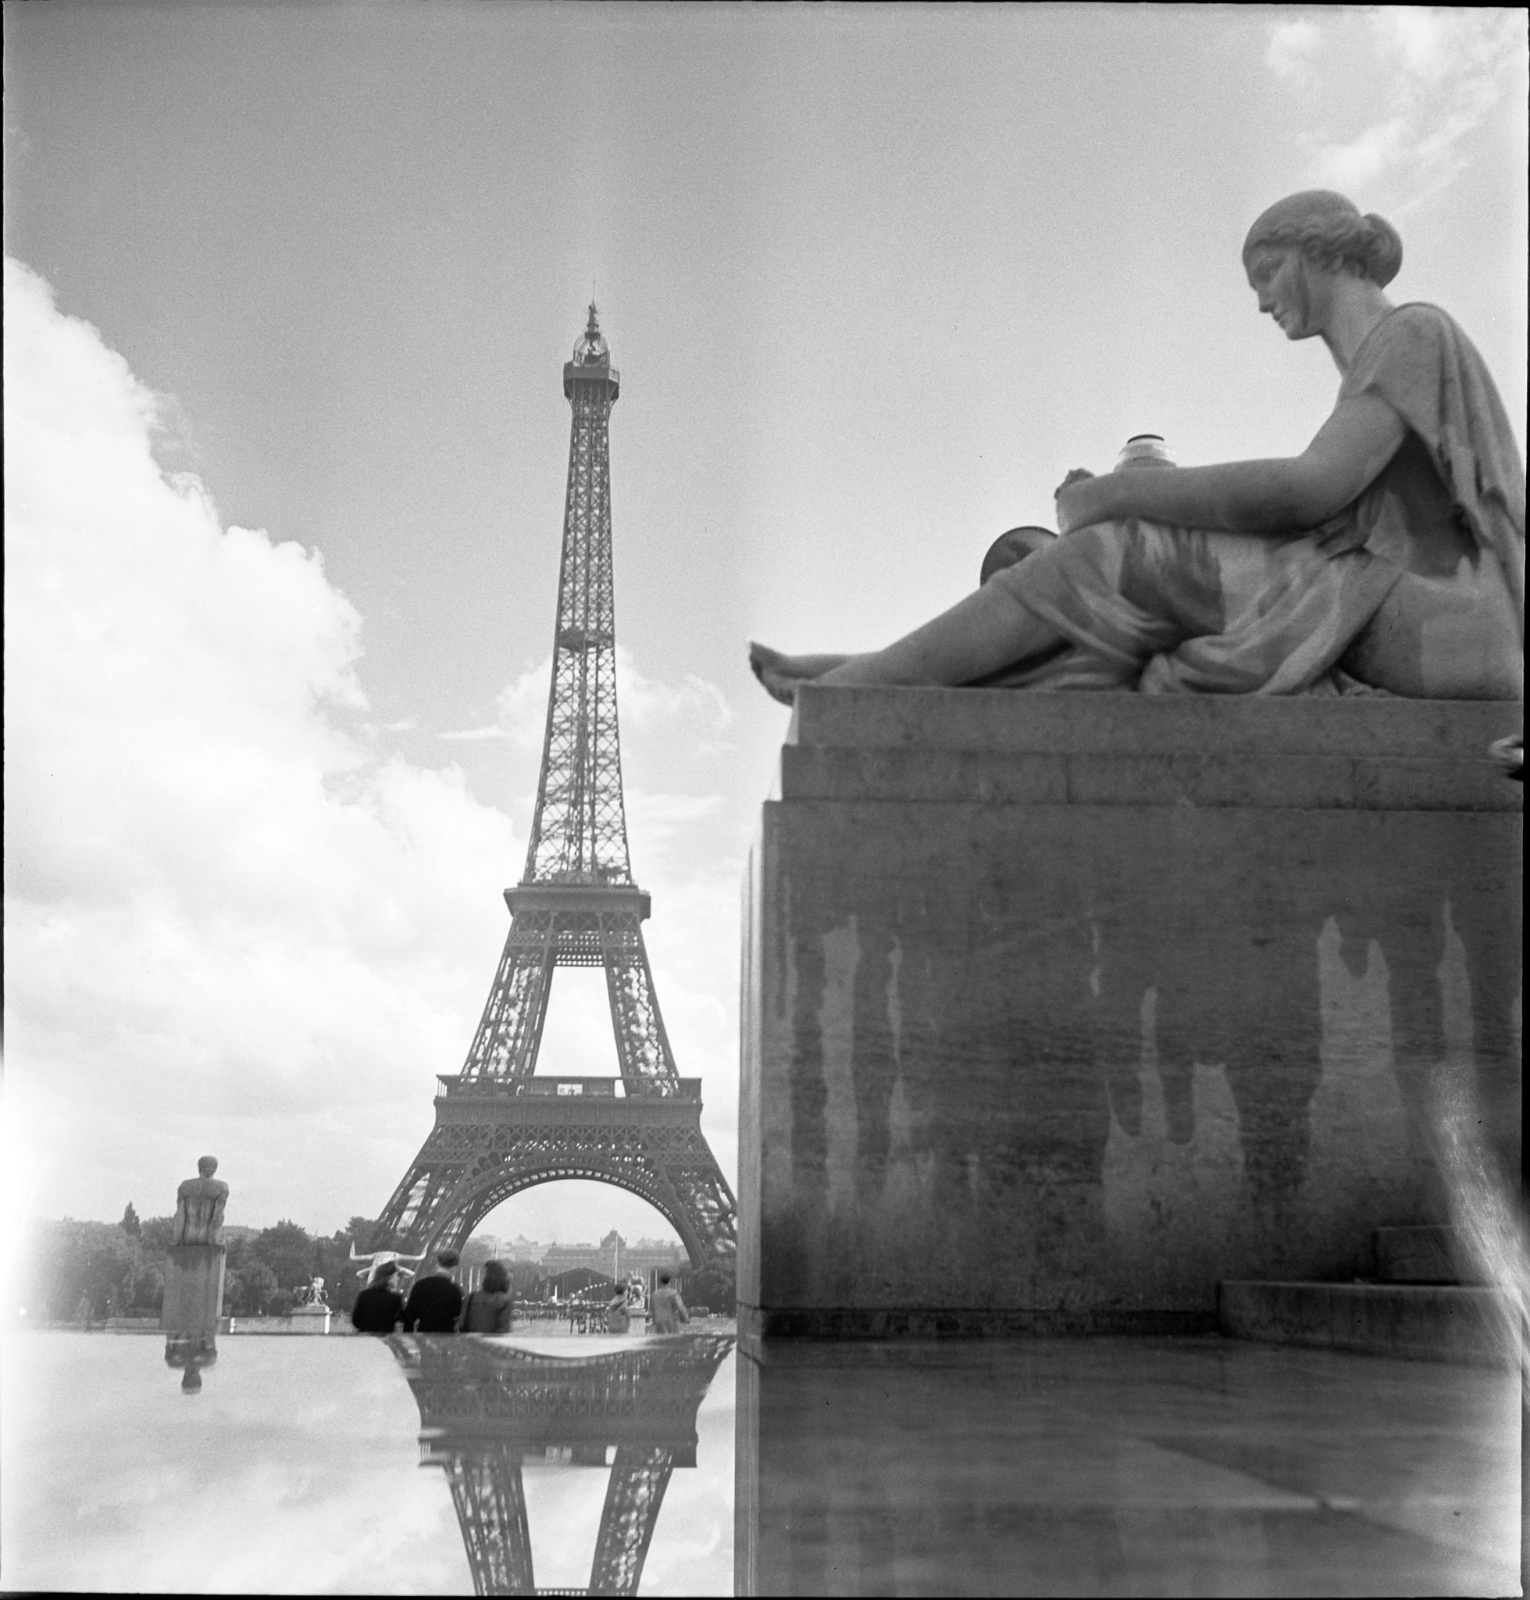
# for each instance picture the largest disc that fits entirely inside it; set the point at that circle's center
(435, 1301)
(617, 1318)
(666, 1311)
(1388, 555)
(379, 1307)
(490, 1307)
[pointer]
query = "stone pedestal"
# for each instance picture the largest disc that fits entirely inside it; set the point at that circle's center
(1061, 1008)
(193, 1289)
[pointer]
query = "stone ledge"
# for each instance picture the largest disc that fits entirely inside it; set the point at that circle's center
(1313, 782)
(836, 1323)
(1421, 1254)
(1415, 1322)
(1117, 724)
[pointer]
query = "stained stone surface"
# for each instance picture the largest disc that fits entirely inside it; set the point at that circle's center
(1122, 1467)
(1060, 1008)
(194, 1275)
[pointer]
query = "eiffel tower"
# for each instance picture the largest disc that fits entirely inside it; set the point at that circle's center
(499, 1127)
(488, 1409)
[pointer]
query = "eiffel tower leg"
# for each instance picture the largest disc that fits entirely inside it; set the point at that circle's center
(688, 1172)
(642, 1045)
(639, 1477)
(510, 1030)
(504, 1048)
(491, 1511)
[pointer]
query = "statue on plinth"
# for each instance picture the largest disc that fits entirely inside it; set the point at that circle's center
(194, 1266)
(199, 1204)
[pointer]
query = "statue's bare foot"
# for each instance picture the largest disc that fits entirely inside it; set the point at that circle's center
(779, 673)
(778, 686)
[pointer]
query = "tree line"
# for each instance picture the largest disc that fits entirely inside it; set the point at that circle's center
(74, 1271)
(89, 1271)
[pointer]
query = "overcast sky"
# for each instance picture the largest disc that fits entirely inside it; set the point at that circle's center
(288, 293)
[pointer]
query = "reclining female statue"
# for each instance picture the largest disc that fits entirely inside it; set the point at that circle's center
(1388, 555)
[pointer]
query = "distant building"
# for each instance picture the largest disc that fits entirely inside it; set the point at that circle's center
(613, 1256)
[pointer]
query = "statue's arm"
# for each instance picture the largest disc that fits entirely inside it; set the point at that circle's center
(1276, 496)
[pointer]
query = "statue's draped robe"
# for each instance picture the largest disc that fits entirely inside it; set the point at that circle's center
(1432, 604)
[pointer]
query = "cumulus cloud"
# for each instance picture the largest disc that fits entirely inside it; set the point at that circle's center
(693, 705)
(1292, 47)
(1441, 71)
(231, 925)
(228, 925)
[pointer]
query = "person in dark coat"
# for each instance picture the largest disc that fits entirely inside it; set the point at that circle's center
(489, 1309)
(379, 1307)
(666, 1310)
(435, 1301)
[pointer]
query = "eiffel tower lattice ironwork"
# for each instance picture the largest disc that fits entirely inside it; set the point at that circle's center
(487, 1409)
(499, 1127)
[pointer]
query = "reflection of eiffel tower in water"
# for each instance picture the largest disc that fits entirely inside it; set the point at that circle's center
(499, 1129)
(485, 1409)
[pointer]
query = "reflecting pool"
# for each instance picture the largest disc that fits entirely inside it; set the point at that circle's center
(604, 1464)
(357, 1465)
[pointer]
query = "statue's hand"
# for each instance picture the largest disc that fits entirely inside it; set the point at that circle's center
(1339, 534)
(1076, 501)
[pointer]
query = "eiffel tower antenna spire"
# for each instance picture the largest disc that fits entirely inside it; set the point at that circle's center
(499, 1127)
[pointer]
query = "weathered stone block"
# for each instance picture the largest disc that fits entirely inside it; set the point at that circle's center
(1061, 1008)
(193, 1289)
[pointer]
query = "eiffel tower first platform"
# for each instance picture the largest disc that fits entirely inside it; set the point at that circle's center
(499, 1128)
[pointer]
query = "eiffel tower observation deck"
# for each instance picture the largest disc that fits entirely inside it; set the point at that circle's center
(500, 1127)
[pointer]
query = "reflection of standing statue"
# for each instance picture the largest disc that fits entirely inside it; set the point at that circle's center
(199, 1206)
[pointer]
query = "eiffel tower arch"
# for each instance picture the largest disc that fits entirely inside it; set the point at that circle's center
(499, 1127)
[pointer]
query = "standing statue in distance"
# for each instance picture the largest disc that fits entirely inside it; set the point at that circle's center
(199, 1204)
(194, 1266)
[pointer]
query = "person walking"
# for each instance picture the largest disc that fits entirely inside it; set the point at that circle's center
(667, 1310)
(435, 1301)
(379, 1307)
(490, 1308)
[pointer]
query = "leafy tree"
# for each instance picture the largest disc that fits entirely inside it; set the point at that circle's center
(341, 1285)
(156, 1236)
(130, 1223)
(711, 1287)
(92, 1262)
(148, 1289)
(249, 1291)
(288, 1251)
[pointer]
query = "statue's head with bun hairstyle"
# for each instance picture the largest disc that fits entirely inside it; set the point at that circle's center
(1331, 233)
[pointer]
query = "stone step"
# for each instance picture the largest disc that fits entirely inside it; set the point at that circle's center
(1312, 782)
(1420, 1254)
(1119, 724)
(1415, 1321)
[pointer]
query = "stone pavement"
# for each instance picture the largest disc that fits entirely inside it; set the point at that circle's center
(1123, 1467)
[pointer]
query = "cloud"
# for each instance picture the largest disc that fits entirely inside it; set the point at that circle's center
(693, 705)
(231, 925)
(1292, 47)
(228, 923)
(1441, 73)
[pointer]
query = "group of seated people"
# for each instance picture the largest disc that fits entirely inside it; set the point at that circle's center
(436, 1303)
